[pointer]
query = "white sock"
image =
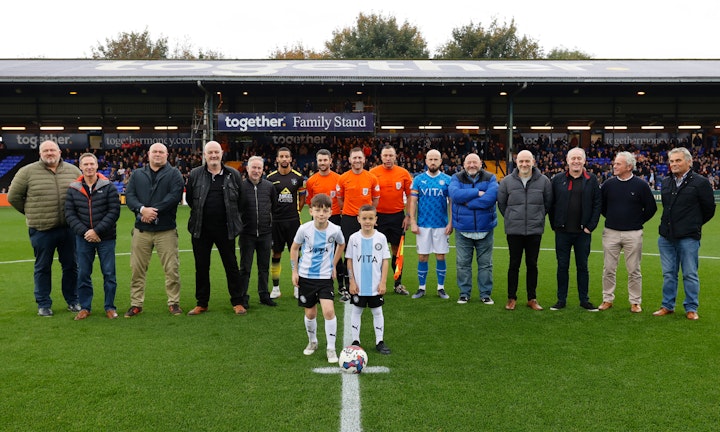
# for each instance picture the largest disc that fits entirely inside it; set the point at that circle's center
(311, 329)
(355, 316)
(378, 323)
(441, 287)
(331, 332)
(421, 287)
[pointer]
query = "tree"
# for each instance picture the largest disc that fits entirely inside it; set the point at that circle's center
(377, 37)
(562, 53)
(297, 52)
(131, 46)
(141, 46)
(496, 42)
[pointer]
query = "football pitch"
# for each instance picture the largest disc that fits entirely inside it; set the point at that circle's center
(453, 367)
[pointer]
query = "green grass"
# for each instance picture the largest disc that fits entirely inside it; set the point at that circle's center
(453, 367)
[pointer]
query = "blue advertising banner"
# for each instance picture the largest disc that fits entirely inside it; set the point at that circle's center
(33, 141)
(297, 122)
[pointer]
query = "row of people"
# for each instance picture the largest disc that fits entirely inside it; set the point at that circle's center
(575, 205)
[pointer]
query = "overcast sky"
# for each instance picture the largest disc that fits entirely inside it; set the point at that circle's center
(248, 29)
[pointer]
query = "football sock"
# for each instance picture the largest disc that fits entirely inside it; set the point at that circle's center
(355, 316)
(331, 332)
(422, 272)
(311, 329)
(378, 323)
(441, 267)
(275, 268)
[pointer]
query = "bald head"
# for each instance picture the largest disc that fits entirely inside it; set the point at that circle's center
(213, 155)
(433, 160)
(50, 153)
(525, 162)
(157, 156)
(472, 164)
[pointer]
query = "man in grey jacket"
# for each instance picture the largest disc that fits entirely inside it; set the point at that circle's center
(524, 198)
(38, 191)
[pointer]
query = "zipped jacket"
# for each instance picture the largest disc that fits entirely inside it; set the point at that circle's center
(258, 206)
(99, 210)
(196, 192)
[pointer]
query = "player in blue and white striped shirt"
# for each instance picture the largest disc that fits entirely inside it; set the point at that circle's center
(322, 244)
(368, 256)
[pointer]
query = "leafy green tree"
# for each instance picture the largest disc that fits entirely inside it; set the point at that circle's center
(141, 46)
(132, 46)
(377, 37)
(498, 41)
(562, 53)
(297, 52)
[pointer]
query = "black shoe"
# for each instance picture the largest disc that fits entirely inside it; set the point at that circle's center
(356, 343)
(557, 306)
(381, 348)
(268, 301)
(589, 306)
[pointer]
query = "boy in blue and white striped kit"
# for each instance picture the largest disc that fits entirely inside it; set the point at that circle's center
(368, 258)
(322, 244)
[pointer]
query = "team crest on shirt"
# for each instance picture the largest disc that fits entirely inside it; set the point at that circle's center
(365, 191)
(378, 246)
(442, 182)
(398, 185)
(332, 194)
(331, 240)
(293, 182)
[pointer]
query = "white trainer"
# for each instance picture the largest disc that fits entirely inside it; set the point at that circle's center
(332, 357)
(275, 293)
(310, 348)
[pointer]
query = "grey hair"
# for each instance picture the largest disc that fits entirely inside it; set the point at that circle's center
(254, 158)
(684, 151)
(629, 158)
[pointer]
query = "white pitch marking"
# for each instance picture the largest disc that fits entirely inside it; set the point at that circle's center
(336, 370)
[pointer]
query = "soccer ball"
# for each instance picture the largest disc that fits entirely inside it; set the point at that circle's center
(352, 359)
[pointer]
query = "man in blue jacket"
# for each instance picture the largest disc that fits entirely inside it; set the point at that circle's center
(153, 194)
(574, 215)
(473, 192)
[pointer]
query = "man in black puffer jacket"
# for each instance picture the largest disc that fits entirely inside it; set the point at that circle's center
(92, 209)
(258, 205)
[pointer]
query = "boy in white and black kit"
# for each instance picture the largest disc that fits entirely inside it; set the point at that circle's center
(368, 258)
(322, 244)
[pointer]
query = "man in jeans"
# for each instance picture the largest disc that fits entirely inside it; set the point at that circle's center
(153, 194)
(92, 209)
(574, 214)
(473, 193)
(38, 191)
(688, 204)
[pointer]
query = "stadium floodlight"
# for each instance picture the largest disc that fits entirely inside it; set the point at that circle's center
(578, 127)
(543, 127)
(434, 127)
(652, 127)
(127, 128)
(462, 127)
(615, 127)
(52, 128)
(689, 127)
(392, 127)
(13, 128)
(89, 128)
(165, 127)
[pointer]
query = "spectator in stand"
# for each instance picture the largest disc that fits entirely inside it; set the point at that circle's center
(395, 183)
(153, 194)
(213, 192)
(92, 209)
(627, 203)
(524, 198)
(290, 187)
(688, 204)
(473, 193)
(39, 191)
(574, 215)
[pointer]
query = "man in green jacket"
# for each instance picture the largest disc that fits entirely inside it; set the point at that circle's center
(38, 191)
